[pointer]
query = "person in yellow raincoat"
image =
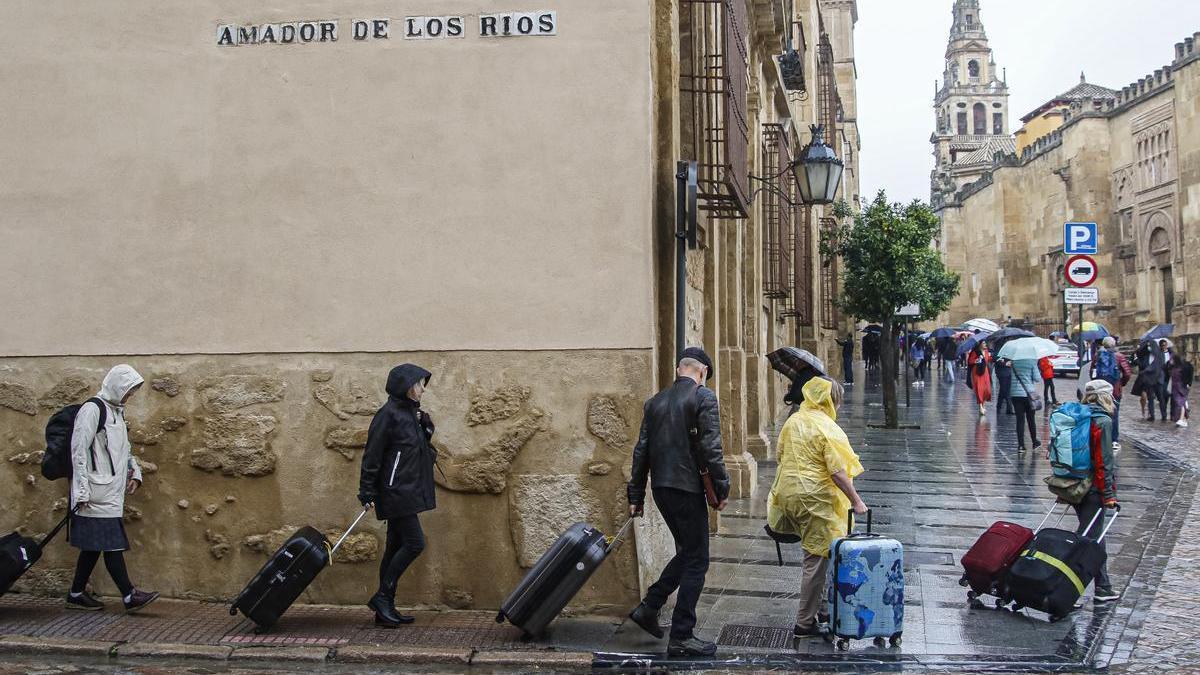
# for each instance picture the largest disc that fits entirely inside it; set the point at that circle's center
(814, 490)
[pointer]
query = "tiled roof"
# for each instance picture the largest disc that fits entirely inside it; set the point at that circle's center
(1084, 91)
(984, 155)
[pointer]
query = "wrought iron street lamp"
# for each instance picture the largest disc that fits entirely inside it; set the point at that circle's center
(818, 170)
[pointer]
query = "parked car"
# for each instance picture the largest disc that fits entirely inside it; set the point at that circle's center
(1066, 361)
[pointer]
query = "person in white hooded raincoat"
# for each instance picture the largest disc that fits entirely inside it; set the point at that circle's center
(104, 470)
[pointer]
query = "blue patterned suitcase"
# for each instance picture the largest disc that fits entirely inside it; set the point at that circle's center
(866, 588)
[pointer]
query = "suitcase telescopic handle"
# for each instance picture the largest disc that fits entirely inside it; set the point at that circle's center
(1053, 505)
(347, 533)
(1106, 525)
(850, 522)
(612, 545)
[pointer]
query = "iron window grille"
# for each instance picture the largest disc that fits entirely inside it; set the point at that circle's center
(777, 215)
(829, 286)
(799, 304)
(829, 103)
(713, 80)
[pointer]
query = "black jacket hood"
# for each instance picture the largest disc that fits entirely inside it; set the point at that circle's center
(403, 377)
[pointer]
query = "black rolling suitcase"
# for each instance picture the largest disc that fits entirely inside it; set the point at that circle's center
(285, 576)
(18, 554)
(557, 577)
(1055, 569)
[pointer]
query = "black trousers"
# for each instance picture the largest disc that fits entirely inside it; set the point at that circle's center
(1024, 416)
(1004, 399)
(1085, 511)
(113, 560)
(1048, 393)
(686, 514)
(1154, 396)
(848, 369)
(405, 541)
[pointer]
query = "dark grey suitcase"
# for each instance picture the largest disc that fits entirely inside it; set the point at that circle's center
(557, 577)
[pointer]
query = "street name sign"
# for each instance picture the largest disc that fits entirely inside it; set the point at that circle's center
(1083, 296)
(1081, 270)
(912, 309)
(1080, 239)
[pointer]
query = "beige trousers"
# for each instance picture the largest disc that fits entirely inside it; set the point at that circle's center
(812, 590)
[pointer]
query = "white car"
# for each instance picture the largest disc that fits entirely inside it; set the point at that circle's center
(1066, 361)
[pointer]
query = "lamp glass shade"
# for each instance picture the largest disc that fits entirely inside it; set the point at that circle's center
(819, 171)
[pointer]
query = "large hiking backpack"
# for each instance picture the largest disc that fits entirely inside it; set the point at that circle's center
(1106, 367)
(56, 462)
(1070, 441)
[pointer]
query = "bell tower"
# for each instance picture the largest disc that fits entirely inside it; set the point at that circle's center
(970, 106)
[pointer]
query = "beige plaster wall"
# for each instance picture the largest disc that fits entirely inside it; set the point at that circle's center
(389, 195)
(238, 451)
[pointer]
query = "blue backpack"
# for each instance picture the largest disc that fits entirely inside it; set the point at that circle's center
(1106, 367)
(1070, 441)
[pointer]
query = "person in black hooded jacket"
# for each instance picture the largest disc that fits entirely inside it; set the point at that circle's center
(397, 481)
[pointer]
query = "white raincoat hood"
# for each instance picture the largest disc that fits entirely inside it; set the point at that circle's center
(118, 382)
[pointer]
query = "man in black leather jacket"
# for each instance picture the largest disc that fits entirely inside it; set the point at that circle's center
(681, 425)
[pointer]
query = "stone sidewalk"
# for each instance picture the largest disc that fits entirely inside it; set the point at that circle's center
(934, 488)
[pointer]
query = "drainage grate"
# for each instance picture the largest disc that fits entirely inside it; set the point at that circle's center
(736, 635)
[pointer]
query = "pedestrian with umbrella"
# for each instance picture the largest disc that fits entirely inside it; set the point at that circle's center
(1003, 367)
(1024, 354)
(799, 366)
(979, 376)
(1149, 378)
(847, 346)
(1167, 349)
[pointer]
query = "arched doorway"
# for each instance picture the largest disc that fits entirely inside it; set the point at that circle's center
(1161, 257)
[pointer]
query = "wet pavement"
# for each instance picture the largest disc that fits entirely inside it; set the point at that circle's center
(935, 488)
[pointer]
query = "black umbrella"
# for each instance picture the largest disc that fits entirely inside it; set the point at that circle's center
(967, 345)
(873, 328)
(997, 339)
(791, 361)
(942, 333)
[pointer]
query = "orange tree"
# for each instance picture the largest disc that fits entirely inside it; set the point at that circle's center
(888, 261)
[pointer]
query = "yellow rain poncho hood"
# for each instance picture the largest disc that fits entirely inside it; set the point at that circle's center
(804, 499)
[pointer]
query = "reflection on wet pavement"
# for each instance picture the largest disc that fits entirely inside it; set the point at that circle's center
(936, 489)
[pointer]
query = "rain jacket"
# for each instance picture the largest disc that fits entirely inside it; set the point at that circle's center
(1025, 371)
(397, 465)
(804, 499)
(102, 461)
(1104, 463)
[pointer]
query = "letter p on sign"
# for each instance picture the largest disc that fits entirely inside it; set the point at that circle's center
(1080, 239)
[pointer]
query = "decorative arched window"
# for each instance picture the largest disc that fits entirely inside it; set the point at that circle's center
(973, 68)
(980, 119)
(962, 124)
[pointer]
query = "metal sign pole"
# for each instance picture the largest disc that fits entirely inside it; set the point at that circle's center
(907, 364)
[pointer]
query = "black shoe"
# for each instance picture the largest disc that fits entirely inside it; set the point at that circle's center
(84, 601)
(647, 620)
(1020, 449)
(139, 599)
(817, 630)
(1037, 444)
(386, 615)
(692, 646)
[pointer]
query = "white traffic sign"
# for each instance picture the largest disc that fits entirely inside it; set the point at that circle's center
(912, 309)
(1081, 270)
(1083, 296)
(1080, 239)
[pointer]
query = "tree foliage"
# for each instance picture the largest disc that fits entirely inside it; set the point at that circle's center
(888, 261)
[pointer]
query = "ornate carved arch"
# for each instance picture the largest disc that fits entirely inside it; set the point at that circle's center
(1160, 242)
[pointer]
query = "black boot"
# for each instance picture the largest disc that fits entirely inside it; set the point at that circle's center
(383, 604)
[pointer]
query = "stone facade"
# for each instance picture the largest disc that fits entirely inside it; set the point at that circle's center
(1131, 163)
(500, 211)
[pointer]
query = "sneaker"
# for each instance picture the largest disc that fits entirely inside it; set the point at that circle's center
(138, 600)
(1181, 423)
(816, 630)
(1105, 595)
(647, 620)
(692, 646)
(83, 601)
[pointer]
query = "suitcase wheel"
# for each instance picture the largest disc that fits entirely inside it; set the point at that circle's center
(233, 611)
(896, 640)
(843, 644)
(973, 600)
(500, 617)
(999, 603)
(880, 642)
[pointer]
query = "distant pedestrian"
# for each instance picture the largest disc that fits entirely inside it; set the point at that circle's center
(1047, 370)
(950, 357)
(979, 374)
(664, 452)
(1004, 386)
(1181, 373)
(396, 480)
(1149, 378)
(1103, 495)
(1112, 367)
(847, 346)
(1028, 380)
(927, 364)
(813, 490)
(104, 471)
(916, 355)
(1166, 348)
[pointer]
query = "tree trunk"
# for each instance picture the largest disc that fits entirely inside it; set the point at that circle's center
(887, 374)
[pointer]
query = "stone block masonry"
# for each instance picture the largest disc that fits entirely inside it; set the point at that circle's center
(240, 451)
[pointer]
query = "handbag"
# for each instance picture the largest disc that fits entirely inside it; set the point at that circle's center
(1070, 490)
(1035, 399)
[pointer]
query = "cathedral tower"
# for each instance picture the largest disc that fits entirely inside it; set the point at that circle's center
(970, 106)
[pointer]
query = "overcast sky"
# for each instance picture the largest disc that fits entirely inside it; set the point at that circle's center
(1044, 44)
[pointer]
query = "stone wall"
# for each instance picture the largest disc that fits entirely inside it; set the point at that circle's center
(238, 451)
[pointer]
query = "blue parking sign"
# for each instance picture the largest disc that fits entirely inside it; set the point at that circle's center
(1080, 239)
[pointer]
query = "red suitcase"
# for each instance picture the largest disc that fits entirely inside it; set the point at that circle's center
(986, 563)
